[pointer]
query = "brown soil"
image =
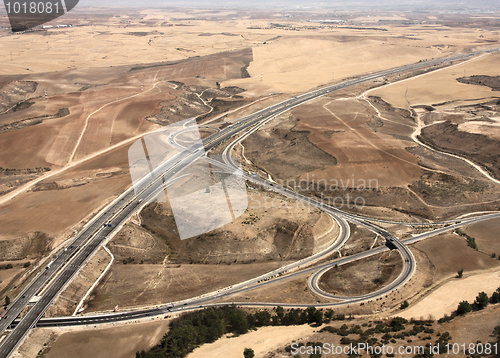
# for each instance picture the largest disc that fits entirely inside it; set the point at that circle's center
(489, 81)
(14, 96)
(136, 285)
(442, 189)
(450, 253)
(260, 234)
(361, 240)
(486, 235)
(134, 245)
(290, 291)
(377, 163)
(364, 276)
(479, 148)
(288, 153)
(102, 342)
(62, 112)
(32, 245)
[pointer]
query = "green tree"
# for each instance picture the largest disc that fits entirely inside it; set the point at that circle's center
(329, 315)
(481, 300)
(7, 301)
(463, 308)
(472, 243)
(317, 318)
(27, 264)
(311, 311)
(398, 324)
(238, 322)
(262, 318)
(280, 312)
(460, 273)
(495, 297)
(404, 305)
(248, 353)
(9, 266)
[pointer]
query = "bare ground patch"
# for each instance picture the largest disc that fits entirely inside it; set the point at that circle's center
(362, 277)
(143, 285)
(122, 341)
(450, 253)
(276, 231)
(479, 148)
(288, 151)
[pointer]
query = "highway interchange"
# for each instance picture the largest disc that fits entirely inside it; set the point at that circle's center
(59, 272)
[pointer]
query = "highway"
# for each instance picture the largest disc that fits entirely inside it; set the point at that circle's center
(91, 237)
(204, 302)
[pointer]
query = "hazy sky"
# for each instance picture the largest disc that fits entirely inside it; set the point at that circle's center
(296, 3)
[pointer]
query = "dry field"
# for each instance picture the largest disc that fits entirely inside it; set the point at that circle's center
(262, 341)
(483, 233)
(362, 277)
(154, 266)
(445, 299)
(136, 285)
(271, 229)
(287, 60)
(450, 253)
(351, 143)
(59, 170)
(105, 341)
(441, 87)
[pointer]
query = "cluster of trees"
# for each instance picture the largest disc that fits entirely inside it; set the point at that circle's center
(482, 300)
(196, 328)
(470, 240)
(391, 331)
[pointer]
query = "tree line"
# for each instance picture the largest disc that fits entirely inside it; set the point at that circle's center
(206, 326)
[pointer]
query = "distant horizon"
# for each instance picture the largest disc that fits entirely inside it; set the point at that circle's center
(300, 4)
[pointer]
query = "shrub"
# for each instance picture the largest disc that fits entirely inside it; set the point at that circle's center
(248, 353)
(481, 300)
(463, 308)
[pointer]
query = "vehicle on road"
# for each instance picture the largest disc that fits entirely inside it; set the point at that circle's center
(4, 313)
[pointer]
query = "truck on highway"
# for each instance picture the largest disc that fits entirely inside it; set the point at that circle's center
(4, 313)
(49, 264)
